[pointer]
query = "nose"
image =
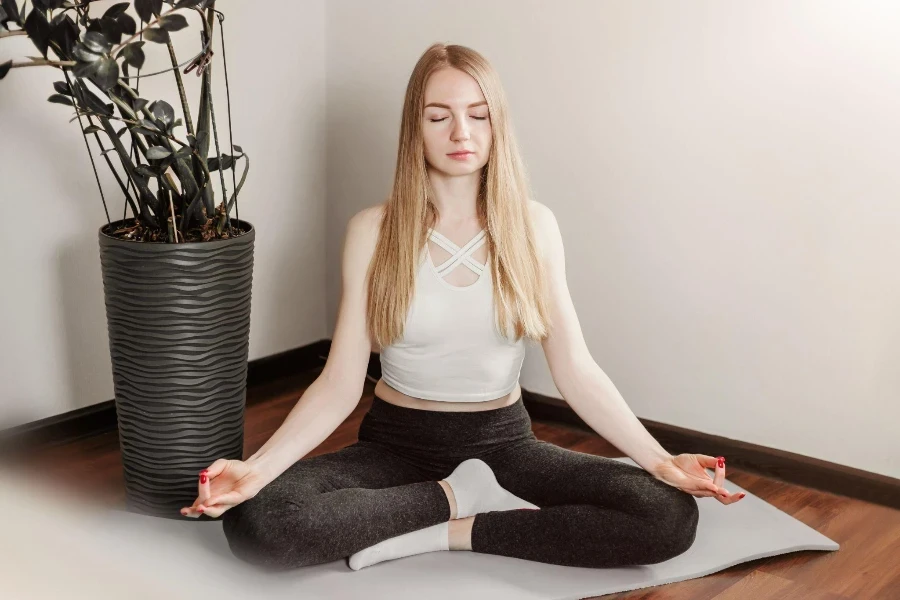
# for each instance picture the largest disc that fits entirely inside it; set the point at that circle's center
(460, 131)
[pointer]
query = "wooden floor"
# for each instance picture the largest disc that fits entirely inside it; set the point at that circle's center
(866, 566)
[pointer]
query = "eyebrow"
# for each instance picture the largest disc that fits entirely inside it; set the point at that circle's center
(439, 105)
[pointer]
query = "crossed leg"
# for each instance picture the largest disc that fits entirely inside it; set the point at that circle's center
(594, 511)
(330, 506)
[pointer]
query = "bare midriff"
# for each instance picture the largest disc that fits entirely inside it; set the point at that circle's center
(398, 398)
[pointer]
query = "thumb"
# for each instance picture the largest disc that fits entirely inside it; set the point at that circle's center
(229, 498)
(215, 469)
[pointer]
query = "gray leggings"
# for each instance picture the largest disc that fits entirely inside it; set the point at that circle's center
(594, 511)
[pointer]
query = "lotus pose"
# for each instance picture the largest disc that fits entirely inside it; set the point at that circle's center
(449, 279)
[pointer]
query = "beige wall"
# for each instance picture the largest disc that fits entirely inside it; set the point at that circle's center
(722, 172)
(725, 180)
(55, 353)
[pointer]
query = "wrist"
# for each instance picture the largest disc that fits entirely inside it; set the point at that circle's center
(262, 467)
(659, 459)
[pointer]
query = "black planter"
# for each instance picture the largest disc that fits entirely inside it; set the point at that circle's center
(179, 328)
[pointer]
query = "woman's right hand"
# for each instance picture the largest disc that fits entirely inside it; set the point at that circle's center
(223, 485)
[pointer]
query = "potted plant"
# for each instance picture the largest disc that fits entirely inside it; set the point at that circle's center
(177, 272)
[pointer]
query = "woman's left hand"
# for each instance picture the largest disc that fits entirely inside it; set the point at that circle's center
(687, 472)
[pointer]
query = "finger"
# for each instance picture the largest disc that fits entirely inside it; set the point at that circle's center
(732, 498)
(719, 479)
(232, 498)
(702, 494)
(707, 461)
(204, 491)
(190, 511)
(215, 469)
(214, 511)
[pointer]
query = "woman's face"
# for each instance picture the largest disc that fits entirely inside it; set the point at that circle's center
(455, 119)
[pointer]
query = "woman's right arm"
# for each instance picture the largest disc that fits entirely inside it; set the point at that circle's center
(335, 393)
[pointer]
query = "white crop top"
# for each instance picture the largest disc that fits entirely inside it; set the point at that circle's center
(451, 349)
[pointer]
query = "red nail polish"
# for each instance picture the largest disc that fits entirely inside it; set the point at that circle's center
(204, 471)
(721, 460)
(203, 478)
(200, 509)
(742, 495)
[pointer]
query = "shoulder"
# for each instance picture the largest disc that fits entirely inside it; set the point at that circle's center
(362, 237)
(367, 219)
(546, 228)
(364, 226)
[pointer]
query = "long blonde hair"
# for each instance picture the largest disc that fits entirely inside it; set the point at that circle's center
(503, 208)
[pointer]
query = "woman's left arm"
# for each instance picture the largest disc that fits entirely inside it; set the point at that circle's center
(582, 383)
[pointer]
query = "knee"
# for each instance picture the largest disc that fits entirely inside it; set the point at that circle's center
(677, 516)
(268, 534)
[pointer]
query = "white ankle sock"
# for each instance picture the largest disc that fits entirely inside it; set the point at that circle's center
(476, 490)
(429, 539)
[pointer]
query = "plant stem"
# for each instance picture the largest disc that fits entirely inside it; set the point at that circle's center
(140, 31)
(4, 34)
(40, 63)
(184, 103)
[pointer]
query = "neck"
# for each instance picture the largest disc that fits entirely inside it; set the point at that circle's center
(455, 196)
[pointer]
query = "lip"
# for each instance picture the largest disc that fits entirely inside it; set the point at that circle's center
(461, 155)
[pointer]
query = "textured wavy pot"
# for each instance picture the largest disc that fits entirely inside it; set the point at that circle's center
(179, 325)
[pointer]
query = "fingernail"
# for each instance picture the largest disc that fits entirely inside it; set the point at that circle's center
(200, 509)
(202, 477)
(721, 461)
(204, 471)
(742, 494)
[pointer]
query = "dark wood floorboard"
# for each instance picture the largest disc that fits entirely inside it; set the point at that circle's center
(866, 566)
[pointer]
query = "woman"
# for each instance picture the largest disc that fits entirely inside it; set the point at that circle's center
(446, 459)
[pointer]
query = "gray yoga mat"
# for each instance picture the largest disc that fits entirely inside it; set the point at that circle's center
(187, 558)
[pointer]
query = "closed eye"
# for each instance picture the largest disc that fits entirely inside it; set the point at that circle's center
(445, 118)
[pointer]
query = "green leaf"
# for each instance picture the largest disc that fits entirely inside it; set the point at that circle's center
(146, 171)
(38, 29)
(226, 162)
(148, 124)
(63, 35)
(126, 24)
(147, 8)
(4, 68)
(12, 10)
(116, 9)
(163, 112)
(154, 152)
(160, 36)
(107, 73)
(62, 87)
(84, 54)
(187, 3)
(121, 131)
(96, 42)
(60, 99)
(134, 54)
(139, 104)
(238, 148)
(92, 129)
(173, 22)
(143, 131)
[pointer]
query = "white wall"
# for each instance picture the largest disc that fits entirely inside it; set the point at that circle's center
(722, 173)
(55, 352)
(725, 179)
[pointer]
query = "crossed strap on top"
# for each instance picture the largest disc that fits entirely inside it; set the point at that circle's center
(460, 255)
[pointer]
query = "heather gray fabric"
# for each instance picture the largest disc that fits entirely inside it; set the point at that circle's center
(594, 512)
